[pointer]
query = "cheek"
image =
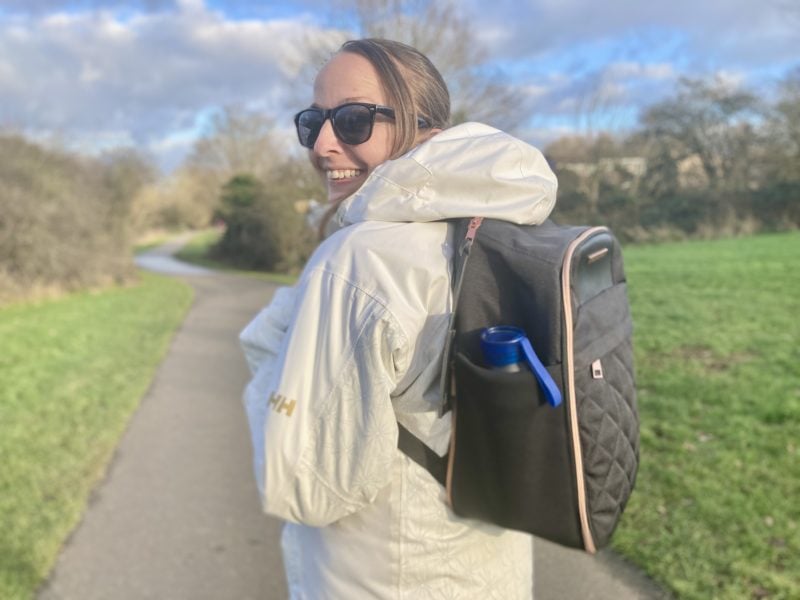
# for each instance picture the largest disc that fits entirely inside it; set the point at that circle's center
(314, 160)
(376, 151)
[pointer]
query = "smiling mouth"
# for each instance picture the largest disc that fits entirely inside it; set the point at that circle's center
(337, 174)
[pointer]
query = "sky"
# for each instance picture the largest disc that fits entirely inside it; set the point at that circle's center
(95, 75)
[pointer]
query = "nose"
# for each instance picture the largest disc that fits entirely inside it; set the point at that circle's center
(327, 141)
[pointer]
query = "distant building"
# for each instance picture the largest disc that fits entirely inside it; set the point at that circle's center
(691, 173)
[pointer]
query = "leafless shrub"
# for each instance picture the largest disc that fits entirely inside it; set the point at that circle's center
(63, 218)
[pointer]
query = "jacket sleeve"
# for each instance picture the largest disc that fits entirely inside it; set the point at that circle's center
(261, 341)
(328, 427)
(262, 337)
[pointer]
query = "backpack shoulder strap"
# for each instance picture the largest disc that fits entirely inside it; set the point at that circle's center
(463, 245)
(420, 453)
(407, 442)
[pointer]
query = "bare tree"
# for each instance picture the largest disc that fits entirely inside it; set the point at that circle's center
(597, 107)
(64, 217)
(237, 141)
(712, 122)
(783, 127)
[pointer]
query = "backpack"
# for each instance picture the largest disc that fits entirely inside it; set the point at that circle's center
(559, 468)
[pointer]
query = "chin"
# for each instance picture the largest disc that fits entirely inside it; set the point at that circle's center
(337, 195)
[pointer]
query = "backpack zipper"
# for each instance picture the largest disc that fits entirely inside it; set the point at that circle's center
(566, 292)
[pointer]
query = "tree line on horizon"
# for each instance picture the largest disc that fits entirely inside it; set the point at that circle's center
(711, 160)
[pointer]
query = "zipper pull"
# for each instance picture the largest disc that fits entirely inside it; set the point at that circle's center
(472, 231)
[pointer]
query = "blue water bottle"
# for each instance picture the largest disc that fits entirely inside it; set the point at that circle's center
(508, 349)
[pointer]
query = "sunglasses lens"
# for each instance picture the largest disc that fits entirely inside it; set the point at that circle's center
(309, 123)
(353, 123)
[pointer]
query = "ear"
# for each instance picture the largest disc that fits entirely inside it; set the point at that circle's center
(424, 135)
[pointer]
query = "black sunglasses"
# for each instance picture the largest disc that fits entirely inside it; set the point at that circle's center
(352, 122)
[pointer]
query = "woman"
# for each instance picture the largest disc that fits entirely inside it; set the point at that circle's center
(355, 347)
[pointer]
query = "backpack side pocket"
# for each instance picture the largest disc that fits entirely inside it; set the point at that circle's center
(510, 456)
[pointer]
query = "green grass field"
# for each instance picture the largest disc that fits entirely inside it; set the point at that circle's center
(72, 371)
(716, 509)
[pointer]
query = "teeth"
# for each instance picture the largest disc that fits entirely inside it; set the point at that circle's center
(343, 173)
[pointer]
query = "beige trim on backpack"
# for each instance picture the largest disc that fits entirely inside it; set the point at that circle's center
(569, 385)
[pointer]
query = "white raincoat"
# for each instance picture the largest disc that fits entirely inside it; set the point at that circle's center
(354, 348)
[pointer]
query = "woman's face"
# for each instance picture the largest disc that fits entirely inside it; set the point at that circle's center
(349, 77)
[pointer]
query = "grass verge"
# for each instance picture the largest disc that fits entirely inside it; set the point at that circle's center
(72, 371)
(196, 251)
(715, 512)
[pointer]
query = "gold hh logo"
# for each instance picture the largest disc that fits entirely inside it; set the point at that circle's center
(281, 403)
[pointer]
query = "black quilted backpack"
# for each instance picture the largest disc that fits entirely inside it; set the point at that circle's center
(552, 449)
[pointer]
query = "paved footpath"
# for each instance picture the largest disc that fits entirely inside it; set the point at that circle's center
(177, 518)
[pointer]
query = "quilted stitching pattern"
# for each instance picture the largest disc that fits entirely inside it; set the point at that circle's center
(608, 422)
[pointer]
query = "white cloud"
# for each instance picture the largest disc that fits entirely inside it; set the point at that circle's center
(730, 79)
(580, 60)
(700, 36)
(37, 7)
(92, 74)
(634, 70)
(142, 71)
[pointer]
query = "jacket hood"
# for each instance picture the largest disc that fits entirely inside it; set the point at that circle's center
(465, 171)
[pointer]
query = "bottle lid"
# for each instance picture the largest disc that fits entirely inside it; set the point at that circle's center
(506, 345)
(501, 345)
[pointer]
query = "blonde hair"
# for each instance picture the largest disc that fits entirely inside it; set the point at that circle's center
(414, 87)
